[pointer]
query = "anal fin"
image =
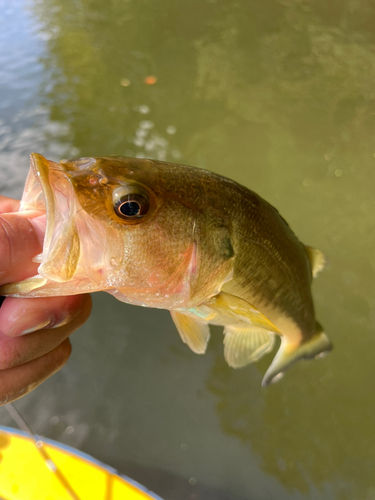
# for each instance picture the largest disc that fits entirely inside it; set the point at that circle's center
(244, 345)
(193, 332)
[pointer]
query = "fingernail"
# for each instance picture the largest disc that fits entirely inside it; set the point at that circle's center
(23, 326)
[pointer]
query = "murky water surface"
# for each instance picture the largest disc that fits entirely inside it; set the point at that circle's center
(278, 95)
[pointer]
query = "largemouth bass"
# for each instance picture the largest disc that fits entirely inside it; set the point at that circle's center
(179, 238)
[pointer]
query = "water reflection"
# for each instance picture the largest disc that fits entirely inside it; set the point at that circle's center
(96, 66)
(309, 430)
(278, 95)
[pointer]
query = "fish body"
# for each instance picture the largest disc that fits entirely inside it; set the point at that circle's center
(179, 238)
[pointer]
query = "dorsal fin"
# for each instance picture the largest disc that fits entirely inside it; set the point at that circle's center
(317, 260)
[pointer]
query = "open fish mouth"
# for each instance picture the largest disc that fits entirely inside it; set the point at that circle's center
(80, 253)
(48, 188)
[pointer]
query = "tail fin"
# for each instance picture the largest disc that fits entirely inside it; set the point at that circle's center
(288, 354)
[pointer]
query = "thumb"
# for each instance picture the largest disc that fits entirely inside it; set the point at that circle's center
(21, 239)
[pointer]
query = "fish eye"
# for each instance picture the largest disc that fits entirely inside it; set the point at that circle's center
(131, 206)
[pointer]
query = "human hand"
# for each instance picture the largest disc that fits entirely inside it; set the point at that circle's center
(34, 333)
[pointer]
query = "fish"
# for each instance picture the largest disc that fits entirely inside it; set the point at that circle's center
(175, 237)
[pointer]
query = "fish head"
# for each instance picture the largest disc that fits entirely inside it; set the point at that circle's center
(115, 224)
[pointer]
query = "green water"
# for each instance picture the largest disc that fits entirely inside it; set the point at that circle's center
(278, 95)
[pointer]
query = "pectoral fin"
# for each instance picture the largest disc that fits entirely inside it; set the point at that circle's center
(231, 307)
(193, 332)
(246, 345)
(289, 353)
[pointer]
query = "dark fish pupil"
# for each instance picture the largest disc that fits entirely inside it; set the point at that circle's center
(130, 208)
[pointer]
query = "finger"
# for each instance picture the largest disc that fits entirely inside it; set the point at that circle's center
(16, 351)
(19, 243)
(19, 316)
(8, 205)
(18, 381)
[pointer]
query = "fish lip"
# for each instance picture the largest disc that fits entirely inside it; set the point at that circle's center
(40, 167)
(49, 188)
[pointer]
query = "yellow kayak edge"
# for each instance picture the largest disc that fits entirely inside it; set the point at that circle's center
(56, 470)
